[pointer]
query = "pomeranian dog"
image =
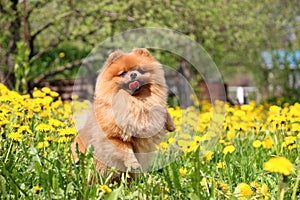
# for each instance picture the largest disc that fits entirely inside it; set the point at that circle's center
(129, 114)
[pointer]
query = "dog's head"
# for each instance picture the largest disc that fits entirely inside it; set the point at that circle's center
(137, 73)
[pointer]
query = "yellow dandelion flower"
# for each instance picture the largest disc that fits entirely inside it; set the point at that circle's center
(239, 113)
(243, 190)
(15, 96)
(4, 109)
(105, 188)
(247, 107)
(37, 188)
(19, 114)
(221, 165)
(3, 122)
(222, 186)
(44, 127)
(193, 146)
(3, 89)
(56, 104)
(198, 139)
(53, 94)
(205, 182)
(279, 165)
(37, 93)
(267, 143)
(182, 171)
(295, 127)
(257, 144)
(64, 139)
(221, 141)
(61, 55)
(15, 125)
(264, 191)
(289, 141)
(163, 145)
(15, 136)
(67, 131)
(274, 110)
(5, 98)
(46, 101)
(171, 140)
(42, 145)
(255, 186)
(26, 96)
(25, 129)
(56, 123)
(45, 113)
(37, 108)
(228, 149)
(46, 90)
(208, 155)
(49, 138)
(291, 146)
(230, 134)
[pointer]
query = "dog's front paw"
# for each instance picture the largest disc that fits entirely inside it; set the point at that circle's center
(133, 165)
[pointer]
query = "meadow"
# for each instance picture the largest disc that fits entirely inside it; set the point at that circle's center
(255, 154)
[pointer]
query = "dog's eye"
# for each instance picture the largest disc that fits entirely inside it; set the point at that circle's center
(141, 71)
(123, 73)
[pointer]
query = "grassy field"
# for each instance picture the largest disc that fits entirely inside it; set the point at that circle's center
(255, 156)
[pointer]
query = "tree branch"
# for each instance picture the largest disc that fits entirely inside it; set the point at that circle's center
(47, 49)
(37, 4)
(57, 71)
(41, 30)
(83, 37)
(62, 68)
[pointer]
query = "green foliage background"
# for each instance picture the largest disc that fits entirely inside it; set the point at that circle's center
(233, 32)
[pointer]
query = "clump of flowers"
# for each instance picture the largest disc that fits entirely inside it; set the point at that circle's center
(42, 122)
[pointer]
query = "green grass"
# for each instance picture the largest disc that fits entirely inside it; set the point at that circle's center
(23, 167)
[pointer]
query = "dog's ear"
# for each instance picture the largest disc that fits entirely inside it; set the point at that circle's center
(114, 56)
(111, 58)
(142, 52)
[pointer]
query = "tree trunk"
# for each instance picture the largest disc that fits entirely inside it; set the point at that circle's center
(184, 88)
(14, 28)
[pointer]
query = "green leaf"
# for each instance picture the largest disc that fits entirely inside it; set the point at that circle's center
(115, 193)
(193, 196)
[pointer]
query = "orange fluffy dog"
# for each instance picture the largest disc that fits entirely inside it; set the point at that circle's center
(129, 114)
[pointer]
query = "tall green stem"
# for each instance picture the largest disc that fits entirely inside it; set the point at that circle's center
(296, 186)
(8, 152)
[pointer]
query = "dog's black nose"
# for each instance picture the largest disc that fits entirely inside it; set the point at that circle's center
(133, 75)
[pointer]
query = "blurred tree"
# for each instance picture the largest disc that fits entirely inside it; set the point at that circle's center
(46, 25)
(233, 32)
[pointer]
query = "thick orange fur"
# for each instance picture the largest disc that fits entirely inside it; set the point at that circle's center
(125, 125)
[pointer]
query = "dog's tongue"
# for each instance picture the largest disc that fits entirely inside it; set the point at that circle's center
(134, 85)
